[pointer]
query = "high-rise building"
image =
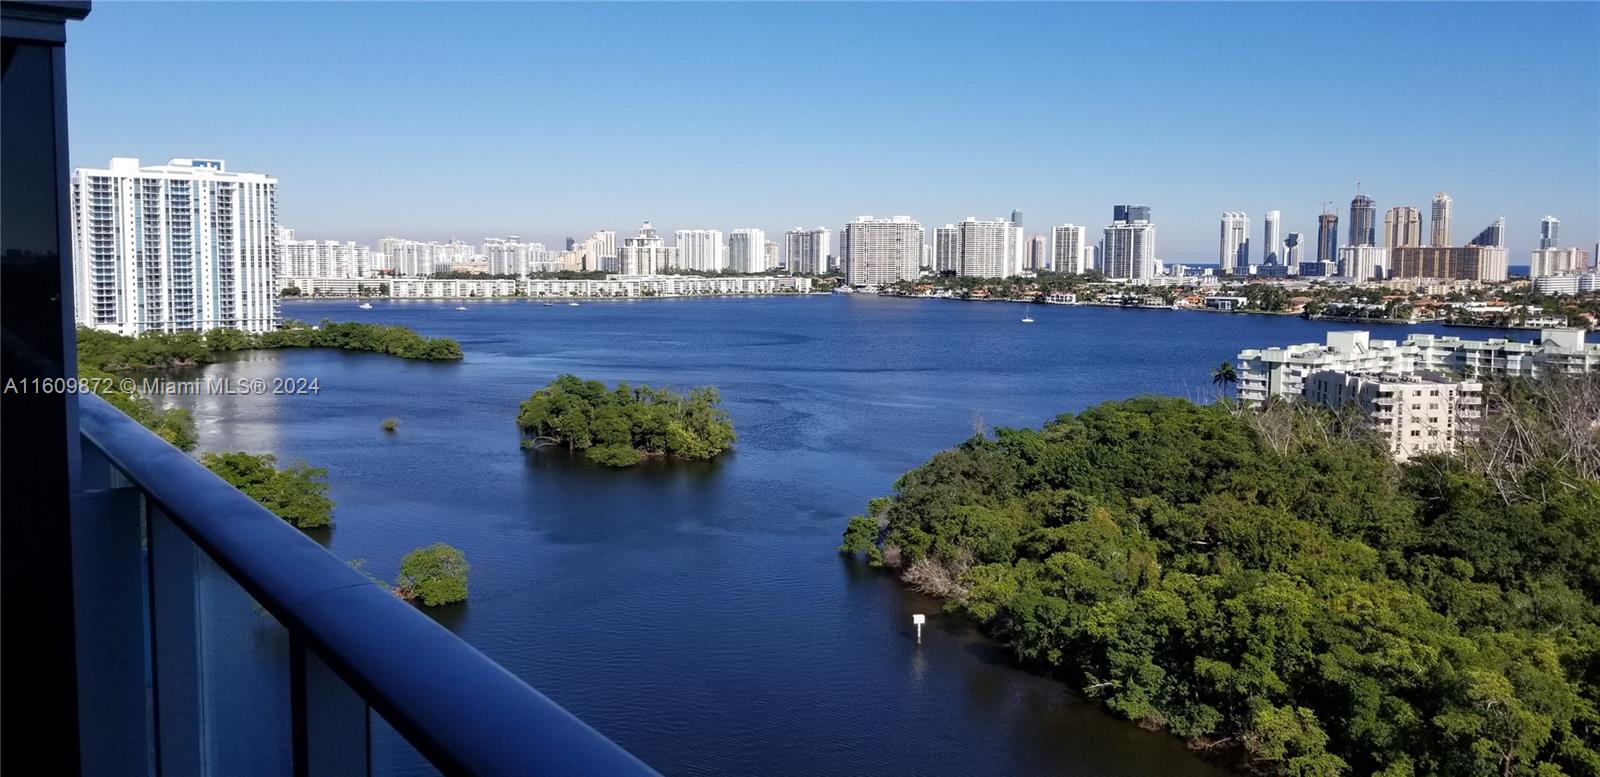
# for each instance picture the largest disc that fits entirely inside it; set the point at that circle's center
(947, 249)
(322, 258)
(700, 250)
(1493, 236)
(806, 250)
(1402, 226)
(1291, 250)
(645, 254)
(1471, 262)
(1067, 252)
(1233, 252)
(1558, 261)
(770, 248)
(880, 251)
(1272, 239)
(1328, 237)
(511, 256)
(990, 248)
(1549, 232)
(1038, 257)
(1130, 244)
(184, 246)
(1364, 263)
(1363, 221)
(747, 251)
(1441, 220)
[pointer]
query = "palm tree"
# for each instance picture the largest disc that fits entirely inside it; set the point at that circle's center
(1222, 376)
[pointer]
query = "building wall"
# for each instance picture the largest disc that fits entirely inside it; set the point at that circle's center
(184, 246)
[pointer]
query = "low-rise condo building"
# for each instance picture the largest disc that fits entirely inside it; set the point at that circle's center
(1282, 371)
(1420, 412)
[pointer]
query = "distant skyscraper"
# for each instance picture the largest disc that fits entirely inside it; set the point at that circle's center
(990, 248)
(1272, 238)
(771, 249)
(747, 250)
(1363, 262)
(1038, 258)
(511, 256)
(181, 246)
(1328, 237)
(806, 250)
(1549, 232)
(1291, 248)
(701, 250)
(572, 243)
(322, 258)
(878, 251)
(1016, 217)
(1441, 219)
(1067, 251)
(1493, 236)
(1402, 226)
(947, 249)
(1130, 244)
(1233, 252)
(645, 253)
(1363, 221)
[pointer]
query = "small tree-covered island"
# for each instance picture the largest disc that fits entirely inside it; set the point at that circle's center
(622, 426)
(1271, 586)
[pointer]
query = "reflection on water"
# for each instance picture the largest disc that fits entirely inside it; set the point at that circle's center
(699, 613)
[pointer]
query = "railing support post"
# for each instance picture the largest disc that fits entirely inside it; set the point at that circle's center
(332, 726)
(175, 650)
(108, 576)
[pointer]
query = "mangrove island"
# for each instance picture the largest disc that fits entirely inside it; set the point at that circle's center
(621, 427)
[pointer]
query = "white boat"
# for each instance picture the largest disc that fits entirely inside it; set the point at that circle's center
(549, 304)
(1027, 319)
(461, 307)
(572, 304)
(366, 306)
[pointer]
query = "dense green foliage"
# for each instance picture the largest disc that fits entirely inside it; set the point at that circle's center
(110, 352)
(436, 574)
(1303, 603)
(619, 427)
(103, 354)
(298, 493)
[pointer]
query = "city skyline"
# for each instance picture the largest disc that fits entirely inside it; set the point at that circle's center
(372, 141)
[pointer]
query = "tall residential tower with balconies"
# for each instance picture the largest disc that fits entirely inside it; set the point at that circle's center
(184, 246)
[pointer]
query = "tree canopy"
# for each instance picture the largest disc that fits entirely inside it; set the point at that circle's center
(1290, 596)
(297, 493)
(436, 574)
(619, 427)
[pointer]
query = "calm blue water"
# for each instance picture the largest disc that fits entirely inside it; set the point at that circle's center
(699, 614)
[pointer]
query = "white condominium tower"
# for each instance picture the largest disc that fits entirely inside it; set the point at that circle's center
(183, 246)
(1402, 226)
(1067, 254)
(805, 251)
(1441, 219)
(511, 256)
(700, 250)
(1272, 238)
(1130, 244)
(645, 253)
(409, 257)
(877, 251)
(322, 258)
(1233, 253)
(747, 250)
(990, 249)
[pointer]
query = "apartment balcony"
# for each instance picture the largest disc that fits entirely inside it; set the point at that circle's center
(213, 635)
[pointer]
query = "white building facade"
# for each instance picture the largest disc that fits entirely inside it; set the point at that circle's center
(323, 258)
(1233, 249)
(1130, 246)
(879, 251)
(645, 253)
(184, 246)
(1415, 412)
(806, 251)
(700, 250)
(747, 251)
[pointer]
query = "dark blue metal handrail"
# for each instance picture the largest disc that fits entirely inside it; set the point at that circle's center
(463, 712)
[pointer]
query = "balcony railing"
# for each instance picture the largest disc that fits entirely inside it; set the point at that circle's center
(215, 638)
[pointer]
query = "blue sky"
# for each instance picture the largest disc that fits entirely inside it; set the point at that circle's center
(544, 120)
